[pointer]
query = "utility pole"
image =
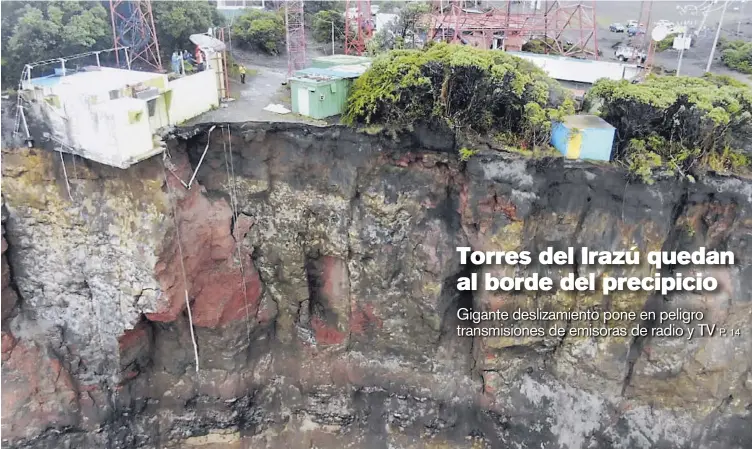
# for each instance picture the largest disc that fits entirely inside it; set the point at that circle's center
(717, 35)
(739, 24)
(332, 37)
(681, 53)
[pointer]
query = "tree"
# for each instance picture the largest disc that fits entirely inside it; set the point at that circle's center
(46, 30)
(737, 55)
(407, 20)
(683, 122)
(34, 31)
(322, 26)
(466, 89)
(176, 21)
(666, 43)
(262, 30)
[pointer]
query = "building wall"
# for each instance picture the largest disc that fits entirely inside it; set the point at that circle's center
(111, 127)
(590, 143)
(597, 143)
(580, 70)
(334, 94)
(560, 137)
(102, 132)
(129, 134)
(193, 95)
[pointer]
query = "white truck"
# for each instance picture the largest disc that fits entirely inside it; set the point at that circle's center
(627, 53)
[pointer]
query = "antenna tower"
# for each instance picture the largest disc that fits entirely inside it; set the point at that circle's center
(569, 26)
(296, 39)
(133, 31)
(358, 26)
(643, 42)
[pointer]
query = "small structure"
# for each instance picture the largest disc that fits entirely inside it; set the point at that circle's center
(565, 68)
(111, 116)
(583, 137)
(324, 62)
(322, 92)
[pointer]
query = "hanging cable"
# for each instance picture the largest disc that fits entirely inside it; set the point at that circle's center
(234, 207)
(65, 173)
(182, 264)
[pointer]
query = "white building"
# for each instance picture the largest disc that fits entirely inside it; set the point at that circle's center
(112, 116)
(576, 70)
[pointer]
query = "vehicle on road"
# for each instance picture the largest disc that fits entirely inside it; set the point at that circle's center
(633, 23)
(665, 24)
(617, 28)
(635, 31)
(626, 53)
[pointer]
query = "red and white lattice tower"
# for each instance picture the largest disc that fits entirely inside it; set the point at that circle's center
(642, 41)
(570, 26)
(296, 39)
(358, 26)
(134, 33)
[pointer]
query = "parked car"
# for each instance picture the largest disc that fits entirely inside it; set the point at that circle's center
(635, 31)
(632, 23)
(617, 28)
(665, 24)
(625, 53)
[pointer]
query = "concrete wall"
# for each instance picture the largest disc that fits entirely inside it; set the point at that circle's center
(580, 70)
(102, 132)
(127, 138)
(87, 119)
(193, 95)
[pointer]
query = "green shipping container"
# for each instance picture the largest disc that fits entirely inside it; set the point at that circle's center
(319, 98)
(325, 62)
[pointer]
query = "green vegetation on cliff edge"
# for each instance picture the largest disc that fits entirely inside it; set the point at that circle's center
(468, 90)
(675, 125)
(678, 124)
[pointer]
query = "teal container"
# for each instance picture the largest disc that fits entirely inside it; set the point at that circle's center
(583, 137)
(320, 97)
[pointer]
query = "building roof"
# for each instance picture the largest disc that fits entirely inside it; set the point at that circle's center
(579, 70)
(344, 59)
(328, 73)
(95, 79)
(585, 122)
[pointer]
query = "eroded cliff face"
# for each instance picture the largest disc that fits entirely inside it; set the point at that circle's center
(320, 268)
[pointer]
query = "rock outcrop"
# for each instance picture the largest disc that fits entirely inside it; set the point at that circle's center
(315, 271)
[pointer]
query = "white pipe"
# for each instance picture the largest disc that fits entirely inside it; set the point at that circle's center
(202, 156)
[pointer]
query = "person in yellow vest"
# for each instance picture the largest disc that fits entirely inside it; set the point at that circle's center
(242, 74)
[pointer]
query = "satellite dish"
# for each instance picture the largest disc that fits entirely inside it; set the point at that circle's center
(659, 33)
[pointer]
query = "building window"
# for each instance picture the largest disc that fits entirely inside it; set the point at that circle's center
(114, 94)
(152, 105)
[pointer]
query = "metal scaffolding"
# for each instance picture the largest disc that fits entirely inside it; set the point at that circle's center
(358, 26)
(134, 32)
(643, 41)
(296, 39)
(567, 28)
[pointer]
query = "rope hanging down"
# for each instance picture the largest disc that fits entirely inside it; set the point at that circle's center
(182, 264)
(234, 207)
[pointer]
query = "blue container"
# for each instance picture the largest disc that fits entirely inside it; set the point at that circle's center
(583, 137)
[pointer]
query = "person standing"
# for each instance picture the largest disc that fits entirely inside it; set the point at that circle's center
(242, 74)
(199, 59)
(175, 62)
